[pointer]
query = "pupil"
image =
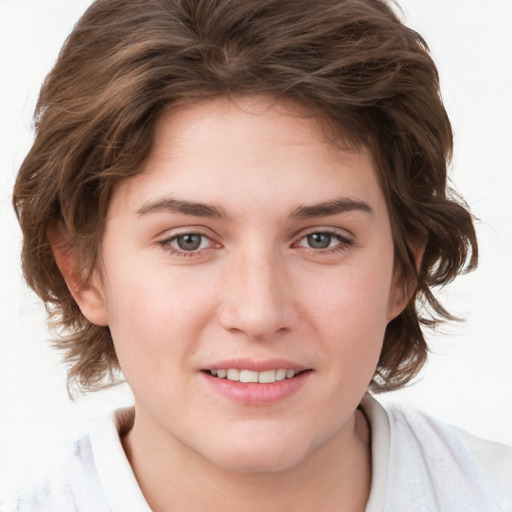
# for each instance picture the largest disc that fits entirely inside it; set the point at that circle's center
(189, 242)
(319, 240)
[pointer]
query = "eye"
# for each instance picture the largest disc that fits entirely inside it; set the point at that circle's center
(319, 240)
(322, 240)
(187, 244)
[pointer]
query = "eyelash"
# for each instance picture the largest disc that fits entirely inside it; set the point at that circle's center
(344, 243)
(166, 245)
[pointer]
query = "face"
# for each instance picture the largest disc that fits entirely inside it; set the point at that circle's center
(250, 249)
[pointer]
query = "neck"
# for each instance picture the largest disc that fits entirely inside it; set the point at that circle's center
(335, 477)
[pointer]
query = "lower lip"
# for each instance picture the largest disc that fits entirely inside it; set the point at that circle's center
(255, 394)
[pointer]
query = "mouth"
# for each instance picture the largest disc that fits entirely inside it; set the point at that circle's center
(250, 382)
(252, 376)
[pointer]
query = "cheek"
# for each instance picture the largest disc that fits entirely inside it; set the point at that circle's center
(350, 311)
(156, 311)
(353, 295)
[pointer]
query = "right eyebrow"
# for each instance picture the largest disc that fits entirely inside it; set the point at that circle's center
(184, 207)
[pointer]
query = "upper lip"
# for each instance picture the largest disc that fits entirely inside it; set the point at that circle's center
(256, 365)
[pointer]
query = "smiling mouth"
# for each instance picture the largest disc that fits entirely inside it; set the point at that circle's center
(246, 376)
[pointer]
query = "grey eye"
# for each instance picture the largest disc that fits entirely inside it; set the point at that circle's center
(189, 242)
(319, 240)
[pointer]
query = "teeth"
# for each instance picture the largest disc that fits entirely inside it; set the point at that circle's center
(265, 377)
(248, 376)
(233, 374)
(280, 374)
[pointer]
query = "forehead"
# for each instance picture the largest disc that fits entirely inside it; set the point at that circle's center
(242, 152)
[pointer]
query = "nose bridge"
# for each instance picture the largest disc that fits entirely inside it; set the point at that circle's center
(257, 297)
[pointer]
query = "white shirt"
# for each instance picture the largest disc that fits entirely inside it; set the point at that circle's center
(418, 465)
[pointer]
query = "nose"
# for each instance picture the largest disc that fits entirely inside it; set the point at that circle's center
(258, 297)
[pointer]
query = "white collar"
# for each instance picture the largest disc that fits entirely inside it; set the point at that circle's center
(378, 421)
(115, 473)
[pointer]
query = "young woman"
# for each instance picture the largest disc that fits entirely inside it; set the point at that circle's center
(237, 206)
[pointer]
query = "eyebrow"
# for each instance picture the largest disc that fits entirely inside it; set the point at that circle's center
(197, 209)
(184, 207)
(332, 207)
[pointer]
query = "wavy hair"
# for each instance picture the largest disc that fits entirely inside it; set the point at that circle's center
(353, 62)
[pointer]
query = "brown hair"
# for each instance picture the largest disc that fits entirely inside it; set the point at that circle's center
(351, 61)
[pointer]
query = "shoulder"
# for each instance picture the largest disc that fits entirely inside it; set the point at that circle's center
(71, 480)
(95, 476)
(447, 463)
(70, 484)
(495, 461)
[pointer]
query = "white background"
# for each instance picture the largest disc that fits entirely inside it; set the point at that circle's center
(468, 379)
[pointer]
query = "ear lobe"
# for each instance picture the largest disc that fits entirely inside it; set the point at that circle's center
(87, 293)
(401, 291)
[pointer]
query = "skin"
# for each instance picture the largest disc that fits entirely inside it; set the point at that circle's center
(255, 289)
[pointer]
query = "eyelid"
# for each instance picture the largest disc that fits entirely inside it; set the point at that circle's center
(345, 239)
(171, 235)
(338, 232)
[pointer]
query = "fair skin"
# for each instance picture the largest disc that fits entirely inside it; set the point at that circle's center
(248, 242)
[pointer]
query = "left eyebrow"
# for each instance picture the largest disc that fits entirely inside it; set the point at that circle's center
(333, 207)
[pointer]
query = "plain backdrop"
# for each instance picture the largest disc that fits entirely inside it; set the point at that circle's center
(467, 380)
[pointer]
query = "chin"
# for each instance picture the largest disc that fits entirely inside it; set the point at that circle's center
(258, 465)
(260, 457)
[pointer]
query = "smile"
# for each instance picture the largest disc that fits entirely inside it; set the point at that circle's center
(250, 386)
(246, 376)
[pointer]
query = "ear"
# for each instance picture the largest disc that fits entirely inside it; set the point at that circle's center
(88, 293)
(401, 291)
